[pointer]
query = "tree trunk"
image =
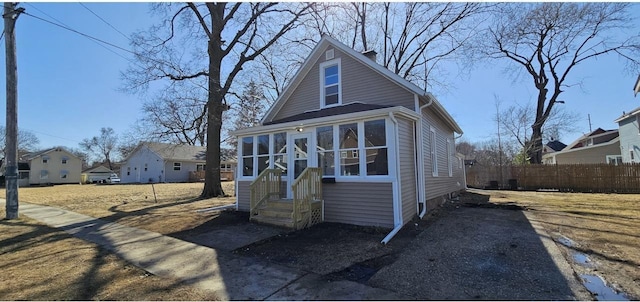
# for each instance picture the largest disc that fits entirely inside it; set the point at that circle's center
(535, 150)
(212, 182)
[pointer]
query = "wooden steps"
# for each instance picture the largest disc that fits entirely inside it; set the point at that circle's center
(276, 212)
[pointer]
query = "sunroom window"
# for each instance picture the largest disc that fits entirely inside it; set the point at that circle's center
(349, 160)
(375, 145)
(263, 153)
(326, 155)
(280, 152)
(247, 156)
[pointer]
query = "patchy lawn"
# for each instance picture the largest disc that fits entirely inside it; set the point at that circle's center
(171, 209)
(43, 263)
(605, 227)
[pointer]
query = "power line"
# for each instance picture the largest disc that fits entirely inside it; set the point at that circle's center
(111, 50)
(80, 33)
(103, 20)
(97, 40)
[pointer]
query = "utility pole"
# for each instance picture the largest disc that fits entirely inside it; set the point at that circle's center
(10, 16)
(589, 119)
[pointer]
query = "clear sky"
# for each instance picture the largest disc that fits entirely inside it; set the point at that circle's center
(68, 84)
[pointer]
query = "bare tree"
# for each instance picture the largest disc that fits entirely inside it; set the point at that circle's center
(177, 115)
(419, 35)
(547, 40)
(101, 146)
(235, 34)
(27, 141)
(516, 121)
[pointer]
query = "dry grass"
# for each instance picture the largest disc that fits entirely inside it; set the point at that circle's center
(42, 263)
(604, 226)
(133, 205)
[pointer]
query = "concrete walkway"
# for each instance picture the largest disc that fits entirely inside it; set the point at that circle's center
(229, 276)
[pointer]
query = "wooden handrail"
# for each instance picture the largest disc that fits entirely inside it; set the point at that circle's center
(266, 185)
(306, 188)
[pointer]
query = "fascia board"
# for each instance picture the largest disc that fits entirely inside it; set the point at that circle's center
(401, 111)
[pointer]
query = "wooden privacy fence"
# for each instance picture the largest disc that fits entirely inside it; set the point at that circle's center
(596, 178)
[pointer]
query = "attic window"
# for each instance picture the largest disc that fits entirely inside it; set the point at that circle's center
(329, 54)
(331, 90)
(45, 159)
(64, 160)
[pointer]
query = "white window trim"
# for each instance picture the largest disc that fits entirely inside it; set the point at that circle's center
(179, 166)
(324, 65)
(449, 157)
(433, 138)
(363, 177)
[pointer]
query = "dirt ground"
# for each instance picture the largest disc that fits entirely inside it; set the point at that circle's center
(604, 227)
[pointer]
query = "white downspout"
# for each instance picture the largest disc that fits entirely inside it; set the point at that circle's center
(421, 171)
(397, 204)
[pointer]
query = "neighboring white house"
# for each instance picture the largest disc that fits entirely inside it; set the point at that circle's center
(53, 166)
(629, 136)
(158, 162)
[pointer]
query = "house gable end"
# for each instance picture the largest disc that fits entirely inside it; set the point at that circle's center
(361, 80)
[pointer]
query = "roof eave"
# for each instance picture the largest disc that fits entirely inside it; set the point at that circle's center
(402, 111)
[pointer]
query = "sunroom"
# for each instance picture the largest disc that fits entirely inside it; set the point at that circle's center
(338, 164)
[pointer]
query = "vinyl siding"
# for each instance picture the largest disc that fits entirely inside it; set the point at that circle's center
(133, 171)
(629, 140)
(408, 174)
(244, 195)
(359, 84)
(441, 184)
(591, 155)
(359, 203)
(182, 175)
(54, 166)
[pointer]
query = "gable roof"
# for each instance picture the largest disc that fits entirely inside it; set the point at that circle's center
(182, 152)
(556, 145)
(636, 88)
(32, 155)
(625, 115)
(400, 81)
(593, 134)
(178, 152)
(98, 169)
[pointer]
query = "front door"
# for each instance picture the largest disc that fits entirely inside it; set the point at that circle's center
(300, 157)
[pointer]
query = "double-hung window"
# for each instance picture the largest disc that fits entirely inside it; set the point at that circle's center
(450, 156)
(434, 148)
(330, 83)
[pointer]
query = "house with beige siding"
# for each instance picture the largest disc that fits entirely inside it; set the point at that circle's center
(348, 141)
(596, 147)
(52, 166)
